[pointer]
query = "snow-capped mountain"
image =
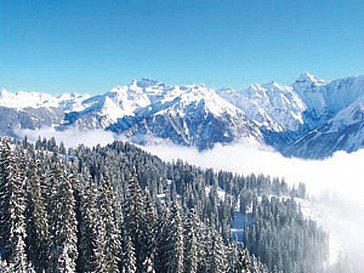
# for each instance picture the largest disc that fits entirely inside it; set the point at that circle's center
(23, 100)
(333, 96)
(33, 110)
(190, 115)
(309, 118)
(334, 117)
(273, 106)
(344, 131)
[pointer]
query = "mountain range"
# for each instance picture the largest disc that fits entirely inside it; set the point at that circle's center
(310, 118)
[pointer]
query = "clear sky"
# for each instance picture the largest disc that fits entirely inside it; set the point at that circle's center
(90, 46)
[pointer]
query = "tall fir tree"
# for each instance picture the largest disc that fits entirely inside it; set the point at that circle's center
(129, 259)
(62, 244)
(190, 243)
(36, 215)
(12, 208)
(174, 242)
(110, 233)
(161, 228)
(134, 220)
(91, 240)
(148, 227)
(218, 255)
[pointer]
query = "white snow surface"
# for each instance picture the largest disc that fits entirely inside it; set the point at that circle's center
(272, 105)
(23, 99)
(333, 96)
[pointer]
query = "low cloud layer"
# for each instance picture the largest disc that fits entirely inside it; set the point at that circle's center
(71, 137)
(336, 183)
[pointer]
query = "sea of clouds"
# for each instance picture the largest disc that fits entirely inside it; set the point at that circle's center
(336, 184)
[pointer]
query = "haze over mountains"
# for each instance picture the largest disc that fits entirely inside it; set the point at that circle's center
(310, 118)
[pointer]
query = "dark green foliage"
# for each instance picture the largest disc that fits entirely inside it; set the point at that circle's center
(129, 256)
(91, 235)
(36, 215)
(117, 209)
(281, 237)
(12, 208)
(190, 243)
(110, 233)
(62, 249)
(174, 241)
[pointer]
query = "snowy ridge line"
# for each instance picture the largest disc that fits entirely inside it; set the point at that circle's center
(310, 118)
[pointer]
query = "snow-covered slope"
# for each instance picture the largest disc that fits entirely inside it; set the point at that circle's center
(309, 118)
(333, 96)
(274, 106)
(22, 100)
(334, 115)
(345, 131)
(190, 115)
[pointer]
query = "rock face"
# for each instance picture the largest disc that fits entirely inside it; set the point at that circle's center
(310, 118)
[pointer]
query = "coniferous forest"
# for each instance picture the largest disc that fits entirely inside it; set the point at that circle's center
(117, 209)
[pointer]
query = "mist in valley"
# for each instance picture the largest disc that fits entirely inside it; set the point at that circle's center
(335, 185)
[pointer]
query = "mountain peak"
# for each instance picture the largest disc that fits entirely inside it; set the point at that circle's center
(272, 85)
(144, 83)
(308, 78)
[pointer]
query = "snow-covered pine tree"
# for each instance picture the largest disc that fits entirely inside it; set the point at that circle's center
(12, 208)
(75, 180)
(243, 263)
(161, 238)
(218, 255)
(204, 250)
(174, 243)
(129, 259)
(36, 215)
(231, 256)
(148, 227)
(190, 243)
(62, 244)
(109, 228)
(134, 220)
(91, 241)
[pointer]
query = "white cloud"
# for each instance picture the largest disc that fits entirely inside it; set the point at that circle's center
(336, 182)
(71, 137)
(339, 177)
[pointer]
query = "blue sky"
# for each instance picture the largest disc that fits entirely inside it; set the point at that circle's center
(91, 46)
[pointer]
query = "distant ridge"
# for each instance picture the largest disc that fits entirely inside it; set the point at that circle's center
(310, 118)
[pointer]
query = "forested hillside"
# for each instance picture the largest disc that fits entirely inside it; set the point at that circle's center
(119, 209)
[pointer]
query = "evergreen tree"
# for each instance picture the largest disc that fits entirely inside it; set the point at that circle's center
(91, 241)
(190, 243)
(174, 242)
(12, 209)
(135, 223)
(36, 216)
(161, 238)
(109, 229)
(129, 265)
(62, 245)
(74, 221)
(218, 256)
(148, 227)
